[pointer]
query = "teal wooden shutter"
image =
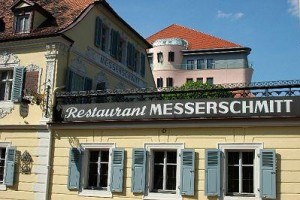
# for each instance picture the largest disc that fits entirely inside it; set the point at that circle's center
(74, 169)
(138, 178)
(187, 179)
(16, 95)
(69, 80)
(212, 172)
(88, 84)
(143, 64)
(98, 32)
(10, 166)
(268, 174)
(117, 170)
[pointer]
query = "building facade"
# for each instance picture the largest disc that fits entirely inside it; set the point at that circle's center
(148, 147)
(50, 46)
(181, 54)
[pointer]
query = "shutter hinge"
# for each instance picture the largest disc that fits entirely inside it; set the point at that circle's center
(258, 189)
(258, 155)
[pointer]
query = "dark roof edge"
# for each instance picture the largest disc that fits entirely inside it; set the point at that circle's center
(230, 49)
(37, 37)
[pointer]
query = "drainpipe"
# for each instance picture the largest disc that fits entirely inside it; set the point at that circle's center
(49, 152)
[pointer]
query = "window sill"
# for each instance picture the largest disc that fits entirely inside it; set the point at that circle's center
(95, 193)
(2, 187)
(162, 196)
(240, 198)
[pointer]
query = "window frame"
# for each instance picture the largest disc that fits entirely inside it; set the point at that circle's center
(160, 57)
(190, 64)
(7, 91)
(256, 147)
(83, 191)
(2, 146)
(171, 56)
(151, 148)
(22, 27)
(169, 82)
(161, 81)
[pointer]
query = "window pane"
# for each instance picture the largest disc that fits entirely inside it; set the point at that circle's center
(233, 158)
(93, 174)
(248, 179)
(2, 91)
(171, 177)
(3, 75)
(159, 157)
(158, 177)
(171, 157)
(233, 179)
(103, 175)
(248, 157)
(104, 156)
(94, 156)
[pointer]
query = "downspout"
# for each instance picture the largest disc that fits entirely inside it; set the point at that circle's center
(50, 148)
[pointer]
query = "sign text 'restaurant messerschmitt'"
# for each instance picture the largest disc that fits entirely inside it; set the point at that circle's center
(208, 108)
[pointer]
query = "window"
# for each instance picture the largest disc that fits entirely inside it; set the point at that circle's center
(200, 64)
(11, 84)
(243, 171)
(160, 57)
(200, 80)
(210, 81)
(143, 65)
(169, 174)
(7, 165)
(171, 56)
(101, 35)
(96, 170)
(131, 56)
(240, 176)
(114, 43)
(190, 64)
(2, 164)
(164, 171)
(23, 23)
(189, 80)
(169, 82)
(6, 84)
(159, 82)
(77, 82)
(210, 64)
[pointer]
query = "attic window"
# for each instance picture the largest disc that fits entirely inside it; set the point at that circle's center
(23, 23)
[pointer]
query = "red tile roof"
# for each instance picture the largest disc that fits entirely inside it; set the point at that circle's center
(196, 40)
(64, 12)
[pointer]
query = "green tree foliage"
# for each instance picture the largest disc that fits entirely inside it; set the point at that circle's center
(198, 90)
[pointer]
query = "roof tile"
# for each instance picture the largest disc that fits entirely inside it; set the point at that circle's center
(196, 39)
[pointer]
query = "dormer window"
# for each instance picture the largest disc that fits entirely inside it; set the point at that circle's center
(23, 23)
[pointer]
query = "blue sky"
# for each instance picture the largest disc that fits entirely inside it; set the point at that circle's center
(271, 28)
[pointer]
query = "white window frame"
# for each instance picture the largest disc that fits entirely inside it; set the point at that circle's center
(4, 145)
(8, 92)
(151, 147)
(21, 18)
(256, 147)
(84, 169)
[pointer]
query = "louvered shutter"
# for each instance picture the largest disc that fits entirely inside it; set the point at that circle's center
(138, 170)
(117, 170)
(74, 169)
(187, 180)
(212, 172)
(16, 95)
(69, 80)
(268, 174)
(10, 166)
(143, 65)
(98, 32)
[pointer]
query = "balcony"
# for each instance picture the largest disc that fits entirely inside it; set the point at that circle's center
(260, 99)
(219, 65)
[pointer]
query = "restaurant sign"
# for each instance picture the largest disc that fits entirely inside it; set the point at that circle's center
(170, 109)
